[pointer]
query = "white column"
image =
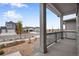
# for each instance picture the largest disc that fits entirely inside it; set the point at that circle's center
(61, 26)
(43, 46)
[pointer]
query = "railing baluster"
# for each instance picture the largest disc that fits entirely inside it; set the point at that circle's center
(55, 37)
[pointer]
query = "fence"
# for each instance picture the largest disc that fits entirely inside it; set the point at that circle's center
(15, 37)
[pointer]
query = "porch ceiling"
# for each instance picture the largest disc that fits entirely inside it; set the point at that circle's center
(62, 8)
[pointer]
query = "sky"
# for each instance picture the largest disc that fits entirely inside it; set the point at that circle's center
(29, 14)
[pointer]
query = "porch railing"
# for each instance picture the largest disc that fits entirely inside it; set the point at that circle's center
(53, 37)
(69, 34)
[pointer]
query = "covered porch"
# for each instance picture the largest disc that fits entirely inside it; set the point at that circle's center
(56, 44)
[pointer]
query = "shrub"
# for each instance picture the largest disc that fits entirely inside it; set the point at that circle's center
(1, 52)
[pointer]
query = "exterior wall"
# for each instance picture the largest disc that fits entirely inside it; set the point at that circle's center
(9, 32)
(70, 26)
(3, 31)
(9, 28)
(10, 25)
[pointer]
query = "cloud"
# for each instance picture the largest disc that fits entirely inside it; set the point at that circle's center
(12, 15)
(19, 5)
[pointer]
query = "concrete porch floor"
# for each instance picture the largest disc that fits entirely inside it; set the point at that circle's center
(65, 47)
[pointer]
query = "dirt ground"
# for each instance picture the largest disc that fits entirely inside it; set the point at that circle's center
(26, 49)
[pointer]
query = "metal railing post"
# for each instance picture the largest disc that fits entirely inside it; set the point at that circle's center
(61, 34)
(55, 37)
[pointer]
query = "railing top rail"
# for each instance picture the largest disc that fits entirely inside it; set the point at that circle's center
(70, 31)
(60, 32)
(53, 33)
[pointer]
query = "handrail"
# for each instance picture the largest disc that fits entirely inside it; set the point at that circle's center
(60, 31)
(53, 33)
(70, 31)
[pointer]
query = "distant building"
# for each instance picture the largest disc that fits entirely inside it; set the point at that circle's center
(37, 29)
(26, 29)
(31, 29)
(10, 25)
(9, 28)
(3, 29)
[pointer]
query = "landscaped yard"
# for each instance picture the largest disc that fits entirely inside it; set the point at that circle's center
(23, 47)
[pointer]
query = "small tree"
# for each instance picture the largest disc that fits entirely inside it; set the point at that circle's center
(19, 28)
(16, 29)
(28, 35)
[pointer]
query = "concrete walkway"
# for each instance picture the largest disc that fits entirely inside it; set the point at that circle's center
(64, 47)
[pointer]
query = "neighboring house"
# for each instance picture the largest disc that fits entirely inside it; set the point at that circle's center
(9, 28)
(10, 25)
(70, 28)
(3, 29)
(70, 24)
